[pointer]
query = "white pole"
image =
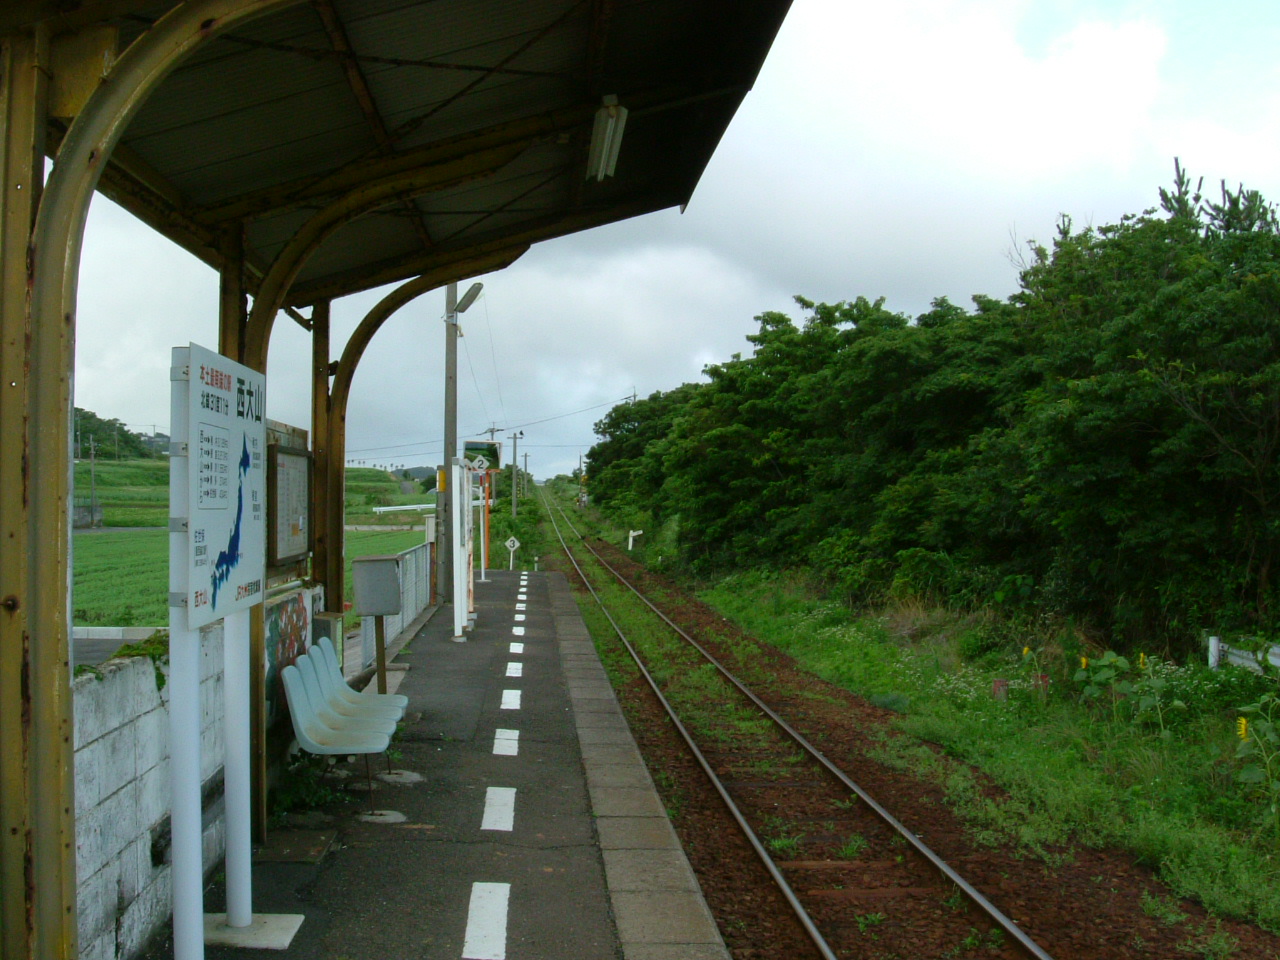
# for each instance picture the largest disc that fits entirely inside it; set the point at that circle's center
(456, 479)
(235, 690)
(484, 527)
(449, 511)
(471, 547)
(184, 690)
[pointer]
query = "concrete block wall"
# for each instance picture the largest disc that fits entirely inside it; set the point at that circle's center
(122, 798)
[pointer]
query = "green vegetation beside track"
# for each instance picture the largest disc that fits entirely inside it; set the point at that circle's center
(1133, 753)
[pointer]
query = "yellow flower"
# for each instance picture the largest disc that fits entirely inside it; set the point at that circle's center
(1142, 661)
(1025, 651)
(1084, 663)
(1242, 728)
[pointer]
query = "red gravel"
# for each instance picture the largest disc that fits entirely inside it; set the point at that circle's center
(1087, 905)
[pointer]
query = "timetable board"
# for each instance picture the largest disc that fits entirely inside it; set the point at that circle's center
(226, 445)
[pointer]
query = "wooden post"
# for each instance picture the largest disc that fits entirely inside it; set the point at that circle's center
(380, 644)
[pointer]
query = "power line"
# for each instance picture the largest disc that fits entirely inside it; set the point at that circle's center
(518, 426)
(493, 355)
(474, 379)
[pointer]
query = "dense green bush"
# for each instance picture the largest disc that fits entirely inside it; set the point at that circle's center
(1102, 447)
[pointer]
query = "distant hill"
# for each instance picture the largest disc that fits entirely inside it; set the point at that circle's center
(111, 440)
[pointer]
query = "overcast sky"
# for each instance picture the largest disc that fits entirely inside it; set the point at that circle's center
(903, 150)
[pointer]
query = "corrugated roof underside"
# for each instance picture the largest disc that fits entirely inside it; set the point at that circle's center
(272, 103)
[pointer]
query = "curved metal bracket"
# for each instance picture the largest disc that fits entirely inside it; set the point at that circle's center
(340, 391)
(352, 205)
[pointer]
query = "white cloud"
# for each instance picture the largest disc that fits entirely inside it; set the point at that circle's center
(896, 149)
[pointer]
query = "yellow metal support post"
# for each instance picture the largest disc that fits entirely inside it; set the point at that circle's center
(320, 504)
(37, 827)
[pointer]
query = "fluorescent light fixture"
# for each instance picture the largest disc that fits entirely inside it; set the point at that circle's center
(606, 138)
(469, 298)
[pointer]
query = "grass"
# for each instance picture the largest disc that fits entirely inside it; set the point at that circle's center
(1074, 773)
(135, 493)
(121, 577)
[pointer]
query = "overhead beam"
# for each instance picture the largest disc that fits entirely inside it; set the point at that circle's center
(59, 15)
(341, 44)
(395, 269)
(311, 191)
(273, 290)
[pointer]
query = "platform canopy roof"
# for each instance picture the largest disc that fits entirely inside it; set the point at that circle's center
(439, 132)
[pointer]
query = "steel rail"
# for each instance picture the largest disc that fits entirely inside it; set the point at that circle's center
(806, 921)
(986, 906)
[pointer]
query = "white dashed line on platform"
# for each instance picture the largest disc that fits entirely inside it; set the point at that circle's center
(517, 631)
(506, 743)
(486, 937)
(520, 606)
(499, 809)
(519, 617)
(515, 669)
(510, 699)
(517, 647)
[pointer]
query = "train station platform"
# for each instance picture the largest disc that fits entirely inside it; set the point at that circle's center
(520, 821)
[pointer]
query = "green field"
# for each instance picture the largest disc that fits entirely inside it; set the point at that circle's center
(122, 576)
(135, 493)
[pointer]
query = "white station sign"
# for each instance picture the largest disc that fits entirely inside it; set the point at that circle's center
(227, 487)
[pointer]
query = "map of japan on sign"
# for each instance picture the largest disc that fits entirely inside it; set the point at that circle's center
(227, 487)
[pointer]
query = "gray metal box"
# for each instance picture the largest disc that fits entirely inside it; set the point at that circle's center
(377, 585)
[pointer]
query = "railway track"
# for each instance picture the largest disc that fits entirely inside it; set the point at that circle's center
(859, 882)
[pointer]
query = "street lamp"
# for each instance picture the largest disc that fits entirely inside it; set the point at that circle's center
(453, 307)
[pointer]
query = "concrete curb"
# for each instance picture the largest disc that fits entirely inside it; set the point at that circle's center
(657, 903)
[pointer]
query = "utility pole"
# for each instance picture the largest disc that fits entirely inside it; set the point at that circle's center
(515, 469)
(524, 479)
(449, 514)
(93, 479)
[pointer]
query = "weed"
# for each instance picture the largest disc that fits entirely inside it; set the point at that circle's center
(1163, 909)
(156, 647)
(866, 921)
(1259, 730)
(1210, 946)
(852, 848)
(785, 846)
(955, 900)
(301, 786)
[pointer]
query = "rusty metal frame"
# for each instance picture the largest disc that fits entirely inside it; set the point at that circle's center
(273, 290)
(37, 856)
(359, 85)
(39, 915)
(339, 393)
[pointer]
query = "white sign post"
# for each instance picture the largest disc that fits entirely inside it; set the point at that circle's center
(481, 465)
(513, 545)
(217, 569)
(458, 477)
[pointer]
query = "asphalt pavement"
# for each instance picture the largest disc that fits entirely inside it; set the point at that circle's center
(519, 821)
